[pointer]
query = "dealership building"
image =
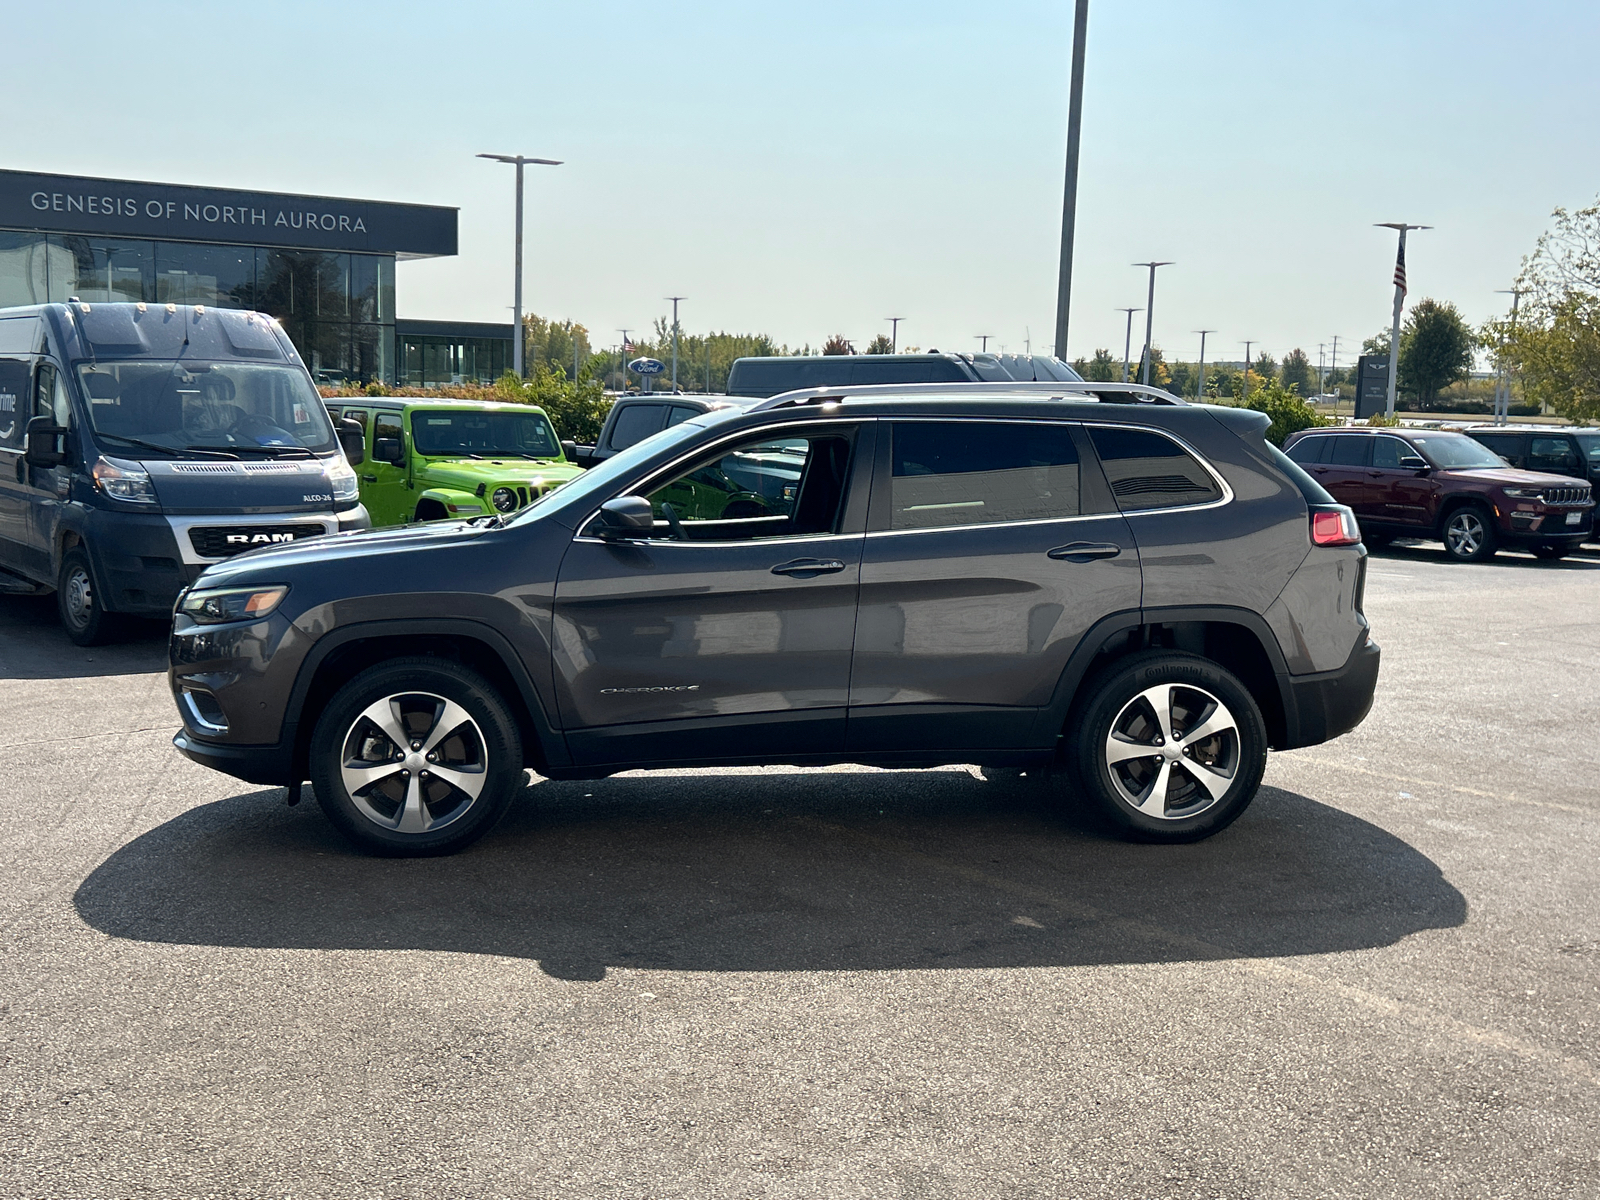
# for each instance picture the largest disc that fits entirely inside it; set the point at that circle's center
(325, 267)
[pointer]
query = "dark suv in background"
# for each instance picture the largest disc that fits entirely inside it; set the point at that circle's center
(1426, 483)
(1574, 452)
(1144, 594)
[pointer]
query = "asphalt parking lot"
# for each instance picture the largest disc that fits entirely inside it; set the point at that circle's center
(1384, 980)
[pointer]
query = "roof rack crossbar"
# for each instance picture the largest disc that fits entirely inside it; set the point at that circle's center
(1137, 393)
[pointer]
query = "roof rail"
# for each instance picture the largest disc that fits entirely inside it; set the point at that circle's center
(1131, 393)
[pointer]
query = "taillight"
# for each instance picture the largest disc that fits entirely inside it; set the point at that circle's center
(1334, 525)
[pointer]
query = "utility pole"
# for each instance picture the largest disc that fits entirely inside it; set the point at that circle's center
(1322, 374)
(1502, 406)
(894, 333)
(1248, 343)
(1200, 387)
(675, 300)
(1333, 367)
(520, 161)
(1399, 302)
(1127, 340)
(1150, 315)
(1069, 199)
(622, 358)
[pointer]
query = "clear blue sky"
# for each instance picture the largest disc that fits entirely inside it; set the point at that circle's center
(805, 169)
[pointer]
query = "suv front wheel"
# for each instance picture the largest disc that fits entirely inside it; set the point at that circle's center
(1170, 746)
(416, 756)
(1469, 534)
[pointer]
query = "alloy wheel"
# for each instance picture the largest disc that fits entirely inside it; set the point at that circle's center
(414, 762)
(1464, 534)
(1173, 751)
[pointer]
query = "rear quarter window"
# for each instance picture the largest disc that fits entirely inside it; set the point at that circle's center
(1309, 449)
(635, 423)
(1149, 470)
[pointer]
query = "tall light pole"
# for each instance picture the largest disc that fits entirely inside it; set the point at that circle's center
(1248, 343)
(1069, 198)
(1399, 301)
(1502, 407)
(622, 358)
(1200, 388)
(520, 161)
(1333, 367)
(675, 300)
(1127, 340)
(1150, 315)
(984, 339)
(894, 333)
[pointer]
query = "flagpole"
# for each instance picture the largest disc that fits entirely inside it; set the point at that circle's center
(1399, 302)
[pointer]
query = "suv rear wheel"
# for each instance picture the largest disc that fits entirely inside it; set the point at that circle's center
(1469, 534)
(416, 756)
(1170, 746)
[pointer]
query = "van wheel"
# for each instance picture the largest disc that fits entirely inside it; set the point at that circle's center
(78, 600)
(1469, 534)
(416, 756)
(1171, 747)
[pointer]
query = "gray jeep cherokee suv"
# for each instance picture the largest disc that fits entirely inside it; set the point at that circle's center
(1094, 582)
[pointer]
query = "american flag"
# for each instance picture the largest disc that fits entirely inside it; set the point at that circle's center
(1400, 269)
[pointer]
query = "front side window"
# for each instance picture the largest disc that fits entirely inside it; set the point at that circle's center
(1590, 444)
(1391, 452)
(1552, 454)
(762, 488)
(949, 473)
(1148, 470)
(187, 405)
(467, 434)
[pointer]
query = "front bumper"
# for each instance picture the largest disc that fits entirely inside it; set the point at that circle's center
(1332, 702)
(254, 764)
(1546, 527)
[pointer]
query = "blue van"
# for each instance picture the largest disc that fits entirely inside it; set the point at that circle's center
(140, 443)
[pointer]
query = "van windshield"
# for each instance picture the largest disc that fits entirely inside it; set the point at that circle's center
(219, 406)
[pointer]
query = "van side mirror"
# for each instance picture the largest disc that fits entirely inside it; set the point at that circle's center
(353, 439)
(626, 517)
(44, 444)
(389, 449)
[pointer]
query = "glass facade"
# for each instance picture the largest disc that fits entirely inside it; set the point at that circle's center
(337, 308)
(428, 358)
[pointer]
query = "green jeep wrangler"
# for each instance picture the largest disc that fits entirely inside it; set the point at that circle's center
(429, 460)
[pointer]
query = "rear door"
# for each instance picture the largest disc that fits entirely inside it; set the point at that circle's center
(732, 640)
(987, 560)
(19, 343)
(1343, 468)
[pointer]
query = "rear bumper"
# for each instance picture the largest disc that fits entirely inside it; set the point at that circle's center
(1332, 702)
(253, 764)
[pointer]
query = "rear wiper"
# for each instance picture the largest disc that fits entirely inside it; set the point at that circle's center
(173, 450)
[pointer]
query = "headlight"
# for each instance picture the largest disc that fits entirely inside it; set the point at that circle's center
(214, 606)
(1525, 493)
(341, 479)
(124, 480)
(504, 499)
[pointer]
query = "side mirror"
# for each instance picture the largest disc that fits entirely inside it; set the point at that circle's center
(44, 444)
(389, 449)
(570, 449)
(626, 517)
(354, 440)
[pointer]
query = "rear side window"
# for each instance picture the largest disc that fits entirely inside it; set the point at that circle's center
(679, 413)
(358, 415)
(980, 473)
(635, 423)
(1349, 450)
(1148, 470)
(1551, 454)
(1506, 445)
(387, 425)
(1310, 449)
(1313, 491)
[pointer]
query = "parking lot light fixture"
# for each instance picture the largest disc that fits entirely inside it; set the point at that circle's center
(519, 161)
(1127, 340)
(1150, 315)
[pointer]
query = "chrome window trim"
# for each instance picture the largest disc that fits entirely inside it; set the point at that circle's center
(1216, 476)
(872, 533)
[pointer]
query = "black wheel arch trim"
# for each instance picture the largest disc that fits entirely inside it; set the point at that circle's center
(552, 746)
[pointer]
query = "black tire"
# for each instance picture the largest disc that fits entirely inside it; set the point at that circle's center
(1469, 535)
(78, 602)
(1551, 553)
(1193, 806)
(1376, 541)
(482, 750)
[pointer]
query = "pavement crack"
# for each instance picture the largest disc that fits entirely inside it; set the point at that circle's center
(84, 737)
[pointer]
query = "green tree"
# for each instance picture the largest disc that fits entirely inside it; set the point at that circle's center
(1436, 348)
(880, 345)
(1555, 352)
(1265, 366)
(577, 407)
(1102, 368)
(1296, 371)
(1378, 343)
(1290, 412)
(837, 344)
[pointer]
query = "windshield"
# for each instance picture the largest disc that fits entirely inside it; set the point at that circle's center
(186, 405)
(468, 434)
(1449, 450)
(599, 483)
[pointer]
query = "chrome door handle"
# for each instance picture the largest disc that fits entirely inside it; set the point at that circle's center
(1085, 551)
(806, 568)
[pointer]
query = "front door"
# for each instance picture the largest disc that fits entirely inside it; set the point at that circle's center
(726, 632)
(1402, 489)
(989, 557)
(386, 488)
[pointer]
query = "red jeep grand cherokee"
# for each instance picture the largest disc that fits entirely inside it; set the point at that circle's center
(1424, 483)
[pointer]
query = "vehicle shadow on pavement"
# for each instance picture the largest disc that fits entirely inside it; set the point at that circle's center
(779, 871)
(35, 646)
(1586, 559)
